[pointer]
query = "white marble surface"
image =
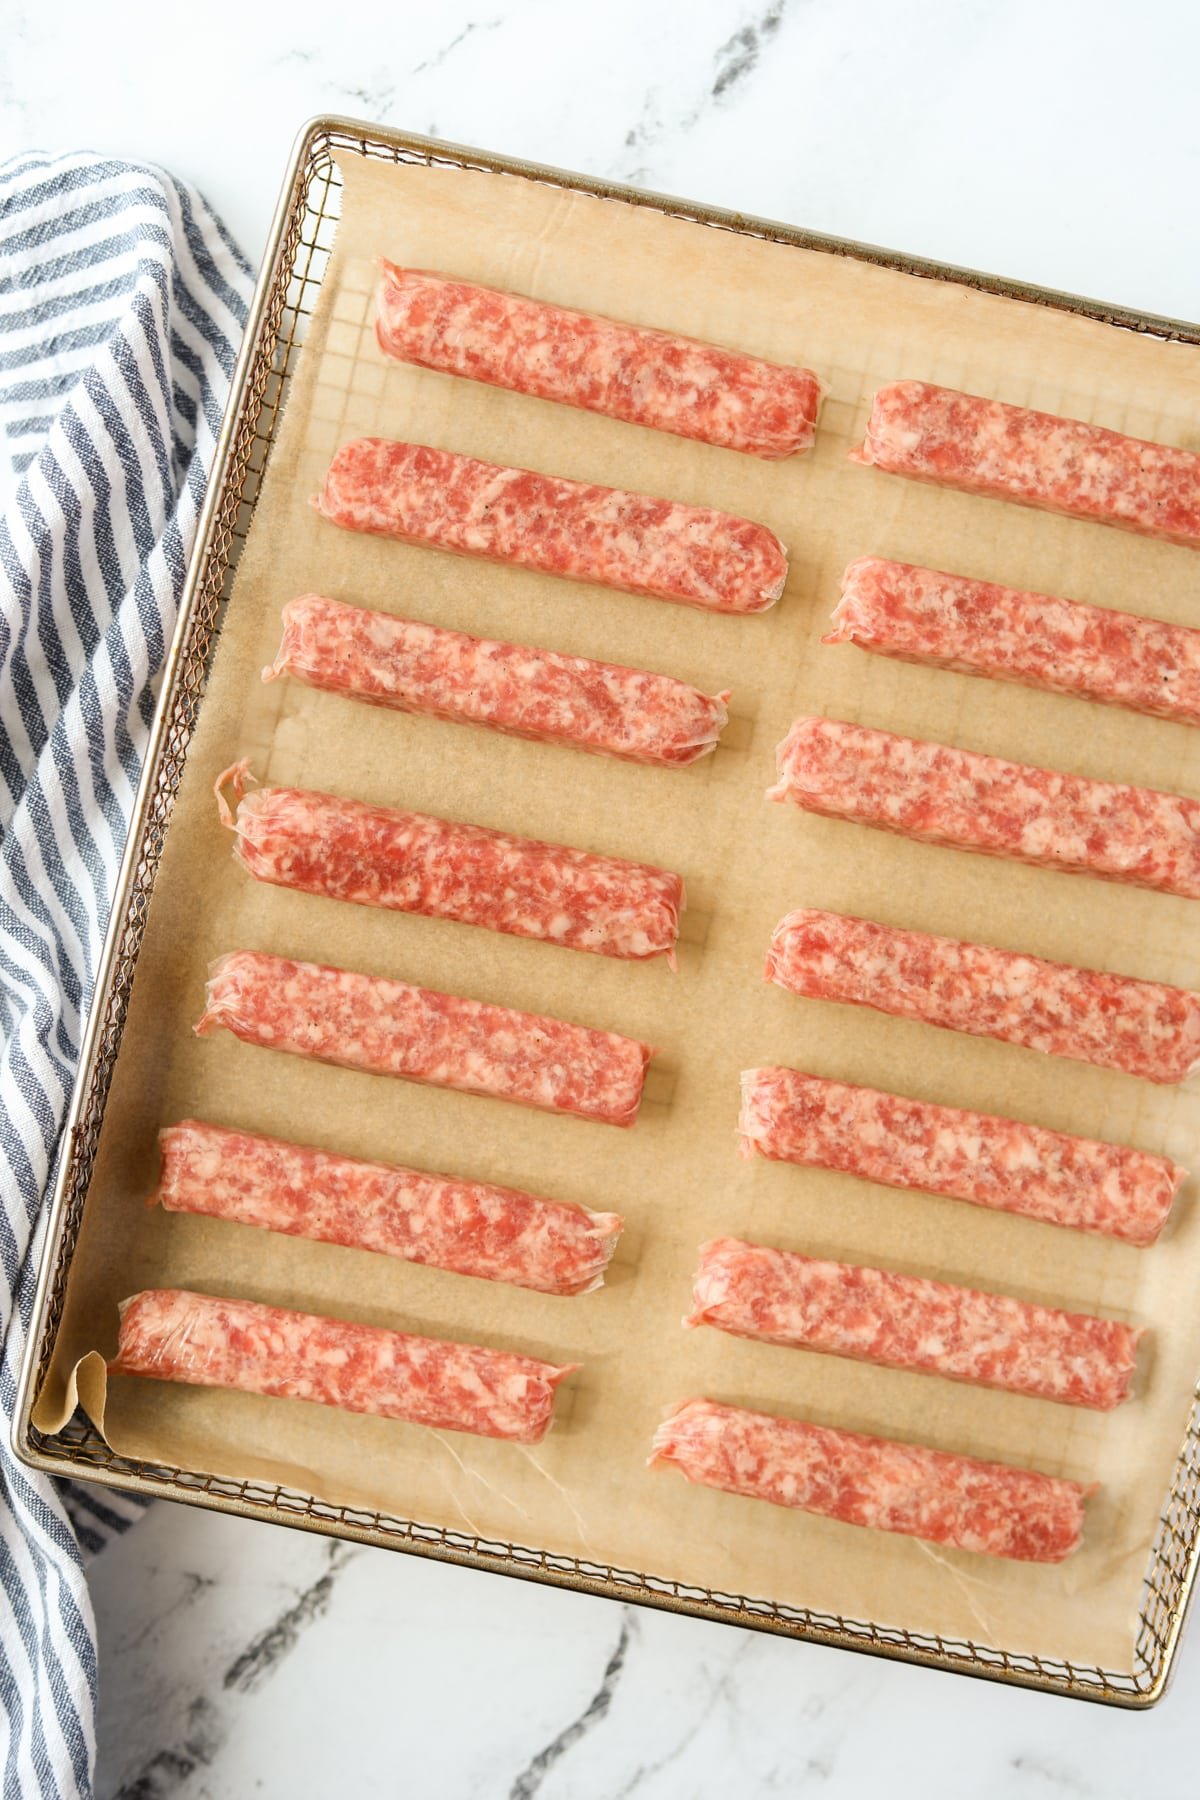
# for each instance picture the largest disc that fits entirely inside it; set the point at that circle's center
(1050, 139)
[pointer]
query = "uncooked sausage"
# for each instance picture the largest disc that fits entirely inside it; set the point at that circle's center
(637, 542)
(991, 1508)
(1142, 1027)
(169, 1334)
(632, 714)
(967, 801)
(631, 372)
(788, 1116)
(392, 1028)
(979, 628)
(980, 446)
(469, 1227)
(907, 1322)
(410, 862)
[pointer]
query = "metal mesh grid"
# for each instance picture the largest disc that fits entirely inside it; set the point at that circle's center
(304, 240)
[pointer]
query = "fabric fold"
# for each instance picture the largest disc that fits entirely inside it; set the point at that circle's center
(122, 302)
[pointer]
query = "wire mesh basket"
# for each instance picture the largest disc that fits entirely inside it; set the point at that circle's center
(284, 301)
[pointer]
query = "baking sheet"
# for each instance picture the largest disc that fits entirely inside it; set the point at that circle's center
(675, 1176)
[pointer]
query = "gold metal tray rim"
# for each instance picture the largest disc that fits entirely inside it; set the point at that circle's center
(73, 1452)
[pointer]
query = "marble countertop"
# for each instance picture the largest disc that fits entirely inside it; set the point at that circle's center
(1052, 141)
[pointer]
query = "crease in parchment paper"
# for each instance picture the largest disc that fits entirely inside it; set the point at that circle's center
(967, 1585)
(676, 1177)
(470, 1474)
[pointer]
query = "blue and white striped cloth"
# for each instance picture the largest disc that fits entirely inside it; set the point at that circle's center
(121, 306)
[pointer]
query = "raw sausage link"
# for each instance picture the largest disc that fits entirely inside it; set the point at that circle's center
(903, 1322)
(469, 1227)
(787, 1116)
(925, 616)
(169, 1334)
(633, 541)
(409, 862)
(967, 801)
(1142, 1027)
(392, 1028)
(991, 1508)
(631, 714)
(1057, 465)
(630, 372)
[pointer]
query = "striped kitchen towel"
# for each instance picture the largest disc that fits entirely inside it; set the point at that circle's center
(121, 307)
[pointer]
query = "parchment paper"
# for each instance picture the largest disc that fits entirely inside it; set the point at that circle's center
(676, 1176)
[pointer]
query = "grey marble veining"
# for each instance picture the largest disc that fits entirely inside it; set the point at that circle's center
(243, 1660)
(1052, 142)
